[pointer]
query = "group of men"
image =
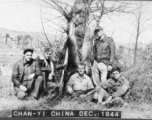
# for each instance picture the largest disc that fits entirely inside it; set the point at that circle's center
(32, 77)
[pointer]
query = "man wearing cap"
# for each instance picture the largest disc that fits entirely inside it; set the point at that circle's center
(104, 53)
(26, 77)
(113, 88)
(47, 68)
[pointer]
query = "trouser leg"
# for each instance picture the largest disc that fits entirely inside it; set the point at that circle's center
(45, 77)
(51, 86)
(38, 84)
(103, 70)
(19, 93)
(102, 94)
(95, 74)
(77, 93)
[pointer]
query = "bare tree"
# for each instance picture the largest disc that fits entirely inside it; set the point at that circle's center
(142, 21)
(104, 8)
(77, 18)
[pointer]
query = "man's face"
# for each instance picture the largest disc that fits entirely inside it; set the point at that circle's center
(28, 56)
(99, 33)
(81, 69)
(47, 55)
(116, 75)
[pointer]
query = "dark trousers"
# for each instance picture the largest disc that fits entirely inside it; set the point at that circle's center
(77, 93)
(34, 88)
(48, 84)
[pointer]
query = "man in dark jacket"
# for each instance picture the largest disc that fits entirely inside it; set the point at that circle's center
(104, 53)
(113, 88)
(26, 77)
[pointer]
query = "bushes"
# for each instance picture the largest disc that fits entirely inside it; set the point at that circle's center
(140, 78)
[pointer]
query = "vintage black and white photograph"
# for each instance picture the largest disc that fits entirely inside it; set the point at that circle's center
(78, 55)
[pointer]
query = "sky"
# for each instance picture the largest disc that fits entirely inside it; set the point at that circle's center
(25, 15)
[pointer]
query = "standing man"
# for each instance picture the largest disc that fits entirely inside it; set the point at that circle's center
(47, 67)
(79, 83)
(26, 77)
(104, 53)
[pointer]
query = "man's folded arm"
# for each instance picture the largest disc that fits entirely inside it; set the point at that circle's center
(121, 91)
(112, 49)
(105, 84)
(90, 84)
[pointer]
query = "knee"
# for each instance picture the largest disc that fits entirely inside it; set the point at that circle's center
(101, 90)
(21, 95)
(40, 79)
(103, 67)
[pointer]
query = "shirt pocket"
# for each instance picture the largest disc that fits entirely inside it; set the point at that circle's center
(105, 48)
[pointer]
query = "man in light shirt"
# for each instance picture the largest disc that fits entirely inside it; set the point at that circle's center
(79, 83)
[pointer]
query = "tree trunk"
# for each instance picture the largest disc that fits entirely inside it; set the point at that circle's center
(77, 30)
(137, 37)
(136, 49)
(6, 40)
(7, 36)
(80, 18)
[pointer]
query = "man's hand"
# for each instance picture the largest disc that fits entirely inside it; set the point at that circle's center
(23, 88)
(82, 96)
(59, 85)
(31, 76)
(108, 100)
(51, 76)
(69, 90)
(109, 67)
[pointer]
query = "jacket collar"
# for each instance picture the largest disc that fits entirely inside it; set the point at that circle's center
(103, 38)
(120, 79)
(25, 62)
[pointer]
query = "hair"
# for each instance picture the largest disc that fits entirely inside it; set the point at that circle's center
(97, 30)
(81, 64)
(47, 49)
(28, 51)
(116, 69)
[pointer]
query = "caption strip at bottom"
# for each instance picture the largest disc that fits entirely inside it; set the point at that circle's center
(66, 113)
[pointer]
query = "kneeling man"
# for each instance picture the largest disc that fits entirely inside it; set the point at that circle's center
(79, 83)
(47, 68)
(26, 77)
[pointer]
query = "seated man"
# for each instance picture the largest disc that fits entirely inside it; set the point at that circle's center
(79, 83)
(47, 67)
(26, 77)
(114, 87)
